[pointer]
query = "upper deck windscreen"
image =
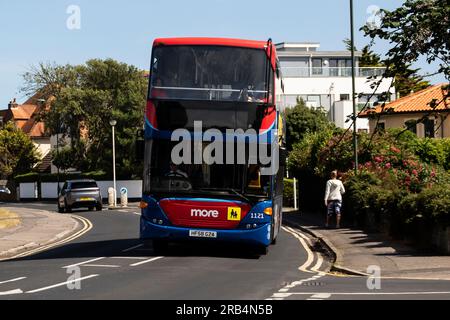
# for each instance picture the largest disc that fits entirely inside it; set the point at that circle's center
(216, 73)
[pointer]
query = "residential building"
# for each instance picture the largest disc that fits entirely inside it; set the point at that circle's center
(24, 116)
(425, 113)
(324, 79)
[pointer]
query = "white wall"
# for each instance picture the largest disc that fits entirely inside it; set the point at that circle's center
(321, 85)
(344, 109)
(28, 190)
(49, 189)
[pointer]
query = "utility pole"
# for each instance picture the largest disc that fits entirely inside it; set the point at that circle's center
(355, 137)
(113, 124)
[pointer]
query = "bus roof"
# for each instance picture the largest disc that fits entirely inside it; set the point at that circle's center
(227, 42)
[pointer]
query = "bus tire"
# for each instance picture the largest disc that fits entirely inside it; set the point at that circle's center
(160, 246)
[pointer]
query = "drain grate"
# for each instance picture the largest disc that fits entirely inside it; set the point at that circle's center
(313, 284)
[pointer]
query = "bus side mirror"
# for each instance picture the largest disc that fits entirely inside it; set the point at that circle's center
(140, 145)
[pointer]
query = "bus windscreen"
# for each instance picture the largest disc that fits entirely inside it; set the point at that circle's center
(209, 73)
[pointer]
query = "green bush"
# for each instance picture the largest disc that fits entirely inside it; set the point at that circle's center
(288, 193)
(47, 177)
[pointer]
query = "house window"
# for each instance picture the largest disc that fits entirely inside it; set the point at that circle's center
(344, 97)
(429, 128)
(313, 101)
(411, 125)
(381, 127)
(317, 66)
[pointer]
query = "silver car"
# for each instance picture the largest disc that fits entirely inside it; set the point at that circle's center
(80, 194)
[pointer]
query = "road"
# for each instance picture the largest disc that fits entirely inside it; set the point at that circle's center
(109, 262)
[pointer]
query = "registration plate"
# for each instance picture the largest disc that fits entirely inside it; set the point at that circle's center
(86, 199)
(202, 234)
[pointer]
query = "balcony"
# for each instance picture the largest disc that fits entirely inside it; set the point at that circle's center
(305, 72)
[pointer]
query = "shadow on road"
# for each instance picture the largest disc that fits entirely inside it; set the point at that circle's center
(122, 248)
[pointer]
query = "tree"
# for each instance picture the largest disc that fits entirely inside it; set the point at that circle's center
(84, 99)
(301, 120)
(17, 152)
(369, 58)
(419, 28)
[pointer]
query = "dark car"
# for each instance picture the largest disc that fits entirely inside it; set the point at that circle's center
(4, 189)
(80, 194)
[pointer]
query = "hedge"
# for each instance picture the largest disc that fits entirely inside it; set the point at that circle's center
(53, 177)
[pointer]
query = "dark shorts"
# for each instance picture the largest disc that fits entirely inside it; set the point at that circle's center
(334, 207)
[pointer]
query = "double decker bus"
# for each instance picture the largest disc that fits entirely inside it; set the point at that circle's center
(205, 91)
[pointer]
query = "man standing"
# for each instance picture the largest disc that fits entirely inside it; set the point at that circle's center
(333, 198)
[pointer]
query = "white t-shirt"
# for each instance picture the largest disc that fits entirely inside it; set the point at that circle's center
(334, 190)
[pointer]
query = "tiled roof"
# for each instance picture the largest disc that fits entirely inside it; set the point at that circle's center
(23, 112)
(417, 102)
(24, 117)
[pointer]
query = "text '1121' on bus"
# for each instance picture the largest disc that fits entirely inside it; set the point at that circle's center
(214, 155)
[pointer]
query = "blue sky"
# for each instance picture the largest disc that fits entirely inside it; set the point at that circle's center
(33, 31)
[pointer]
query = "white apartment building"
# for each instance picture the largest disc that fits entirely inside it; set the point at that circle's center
(324, 79)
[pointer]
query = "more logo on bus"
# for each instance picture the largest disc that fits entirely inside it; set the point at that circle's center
(204, 213)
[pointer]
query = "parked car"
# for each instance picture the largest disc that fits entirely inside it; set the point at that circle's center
(80, 194)
(4, 189)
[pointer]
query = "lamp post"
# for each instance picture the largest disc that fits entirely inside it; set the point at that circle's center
(113, 124)
(352, 44)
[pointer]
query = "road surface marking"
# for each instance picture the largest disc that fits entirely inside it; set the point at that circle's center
(131, 258)
(320, 296)
(132, 248)
(280, 295)
(310, 258)
(87, 225)
(13, 280)
(101, 265)
(372, 293)
(63, 283)
(15, 291)
(318, 264)
(137, 213)
(145, 261)
(81, 263)
(301, 235)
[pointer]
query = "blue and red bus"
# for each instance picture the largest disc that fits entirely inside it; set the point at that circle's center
(223, 85)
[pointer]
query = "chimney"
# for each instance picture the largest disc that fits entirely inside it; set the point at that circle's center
(13, 104)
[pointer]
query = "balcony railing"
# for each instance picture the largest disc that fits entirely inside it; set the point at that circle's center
(305, 72)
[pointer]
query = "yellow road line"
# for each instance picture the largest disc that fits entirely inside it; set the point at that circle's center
(87, 225)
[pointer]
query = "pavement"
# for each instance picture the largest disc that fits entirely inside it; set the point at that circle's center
(356, 251)
(37, 228)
